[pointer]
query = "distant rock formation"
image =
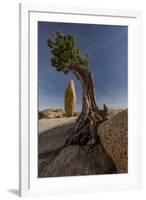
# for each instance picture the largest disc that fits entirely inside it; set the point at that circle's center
(70, 99)
(114, 137)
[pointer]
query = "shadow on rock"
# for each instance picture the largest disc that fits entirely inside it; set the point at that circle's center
(74, 161)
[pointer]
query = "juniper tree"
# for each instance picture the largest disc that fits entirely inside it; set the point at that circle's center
(66, 57)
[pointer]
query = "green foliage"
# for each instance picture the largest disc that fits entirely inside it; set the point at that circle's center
(65, 52)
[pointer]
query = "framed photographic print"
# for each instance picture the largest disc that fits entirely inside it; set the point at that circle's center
(80, 100)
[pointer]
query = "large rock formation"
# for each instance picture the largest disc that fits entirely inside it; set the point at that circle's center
(114, 137)
(57, 160)
(70, 99)
(74, 160)
(53, 134)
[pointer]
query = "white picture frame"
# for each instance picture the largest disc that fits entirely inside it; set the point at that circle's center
(30, 185)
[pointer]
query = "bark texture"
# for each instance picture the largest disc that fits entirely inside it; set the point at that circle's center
(85, 128)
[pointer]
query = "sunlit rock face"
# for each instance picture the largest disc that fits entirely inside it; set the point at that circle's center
(70, 99)
(113, 134)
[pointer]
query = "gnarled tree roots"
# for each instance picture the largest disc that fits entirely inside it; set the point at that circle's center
(85, 132)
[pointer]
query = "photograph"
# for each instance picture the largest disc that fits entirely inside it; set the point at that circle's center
(82, 99)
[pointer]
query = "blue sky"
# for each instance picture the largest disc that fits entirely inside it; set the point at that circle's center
(107, 48)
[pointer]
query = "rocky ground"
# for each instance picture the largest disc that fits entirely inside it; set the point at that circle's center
(55, 160)
(48, 124)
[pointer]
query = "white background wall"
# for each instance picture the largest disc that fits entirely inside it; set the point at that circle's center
(9, 97)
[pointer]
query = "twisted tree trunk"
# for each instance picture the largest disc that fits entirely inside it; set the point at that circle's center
(85, 128)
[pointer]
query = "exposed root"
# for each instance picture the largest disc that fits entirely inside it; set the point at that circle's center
(86, 131)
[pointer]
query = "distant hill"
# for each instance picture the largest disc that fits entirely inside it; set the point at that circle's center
(52, 113)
